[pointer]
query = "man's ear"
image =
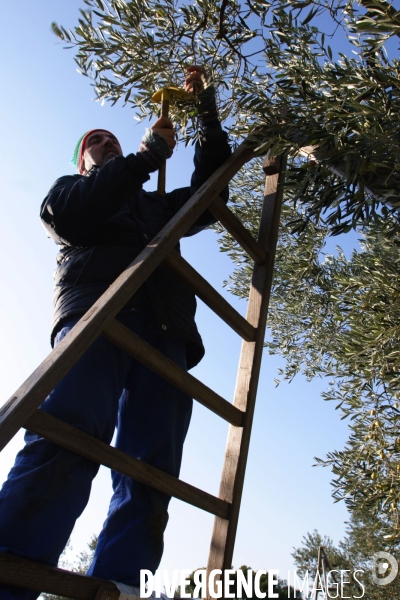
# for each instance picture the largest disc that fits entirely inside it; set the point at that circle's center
(83, 168)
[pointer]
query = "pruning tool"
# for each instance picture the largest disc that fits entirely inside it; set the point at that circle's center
(165, 95)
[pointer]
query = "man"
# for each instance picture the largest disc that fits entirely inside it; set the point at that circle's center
(101, 219)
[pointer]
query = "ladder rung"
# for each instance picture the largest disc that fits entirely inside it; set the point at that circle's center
(131, 343)
(28, 574)
(210, 296)
(238, 231)
(81, 443)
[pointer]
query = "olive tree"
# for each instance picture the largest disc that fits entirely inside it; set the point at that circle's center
(315, 80)
(354, 553)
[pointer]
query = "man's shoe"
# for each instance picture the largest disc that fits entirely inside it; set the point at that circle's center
(132, 592)
(127, 592)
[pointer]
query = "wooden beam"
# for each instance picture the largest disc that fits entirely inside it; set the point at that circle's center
(382, 184)
(232, 481)
(44, 379)
(131, 343)
(238, 231)
(81, 443)
(200, 286)
(377, 184)
(27, 574)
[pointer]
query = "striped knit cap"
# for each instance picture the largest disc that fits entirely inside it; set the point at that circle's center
(80, 148)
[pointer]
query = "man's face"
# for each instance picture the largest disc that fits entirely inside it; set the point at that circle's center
(100, 147)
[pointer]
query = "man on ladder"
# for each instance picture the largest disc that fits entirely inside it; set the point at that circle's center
(101, 219)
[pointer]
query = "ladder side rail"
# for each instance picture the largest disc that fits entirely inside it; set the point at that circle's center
(86, 445)
(223, 538)
(200, 286)
(142, 351)
(331, 572)
(237, 230)
(324, 582)
(317, 574)
(379, 182)
(28, 574)
(49, 373)
(328, 563)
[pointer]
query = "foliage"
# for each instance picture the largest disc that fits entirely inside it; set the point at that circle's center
(81, 565)
(363, 539)
(278, 80)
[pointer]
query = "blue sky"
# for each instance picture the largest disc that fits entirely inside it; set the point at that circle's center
(46, 105)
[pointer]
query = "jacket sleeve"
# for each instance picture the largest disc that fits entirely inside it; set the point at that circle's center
(211, 151)
(77, 207)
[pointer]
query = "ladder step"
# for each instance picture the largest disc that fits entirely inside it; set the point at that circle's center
(31, 575)
(132, 344)
(180, 267)
(238, 231)
(81, 443)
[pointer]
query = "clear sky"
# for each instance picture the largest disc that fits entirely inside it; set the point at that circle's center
(45, 106)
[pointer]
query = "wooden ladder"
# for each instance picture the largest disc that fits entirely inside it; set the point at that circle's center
(321, 577)
(22, 409)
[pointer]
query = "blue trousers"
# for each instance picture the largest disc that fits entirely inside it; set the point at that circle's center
(49, 486)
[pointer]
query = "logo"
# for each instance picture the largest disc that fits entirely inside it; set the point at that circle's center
(381, 563)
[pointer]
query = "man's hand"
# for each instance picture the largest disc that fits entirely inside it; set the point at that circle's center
(157, 144)
(195, 80)
(196, 83)
(163, 126)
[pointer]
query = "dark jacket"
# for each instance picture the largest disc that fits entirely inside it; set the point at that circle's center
(103, 220)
